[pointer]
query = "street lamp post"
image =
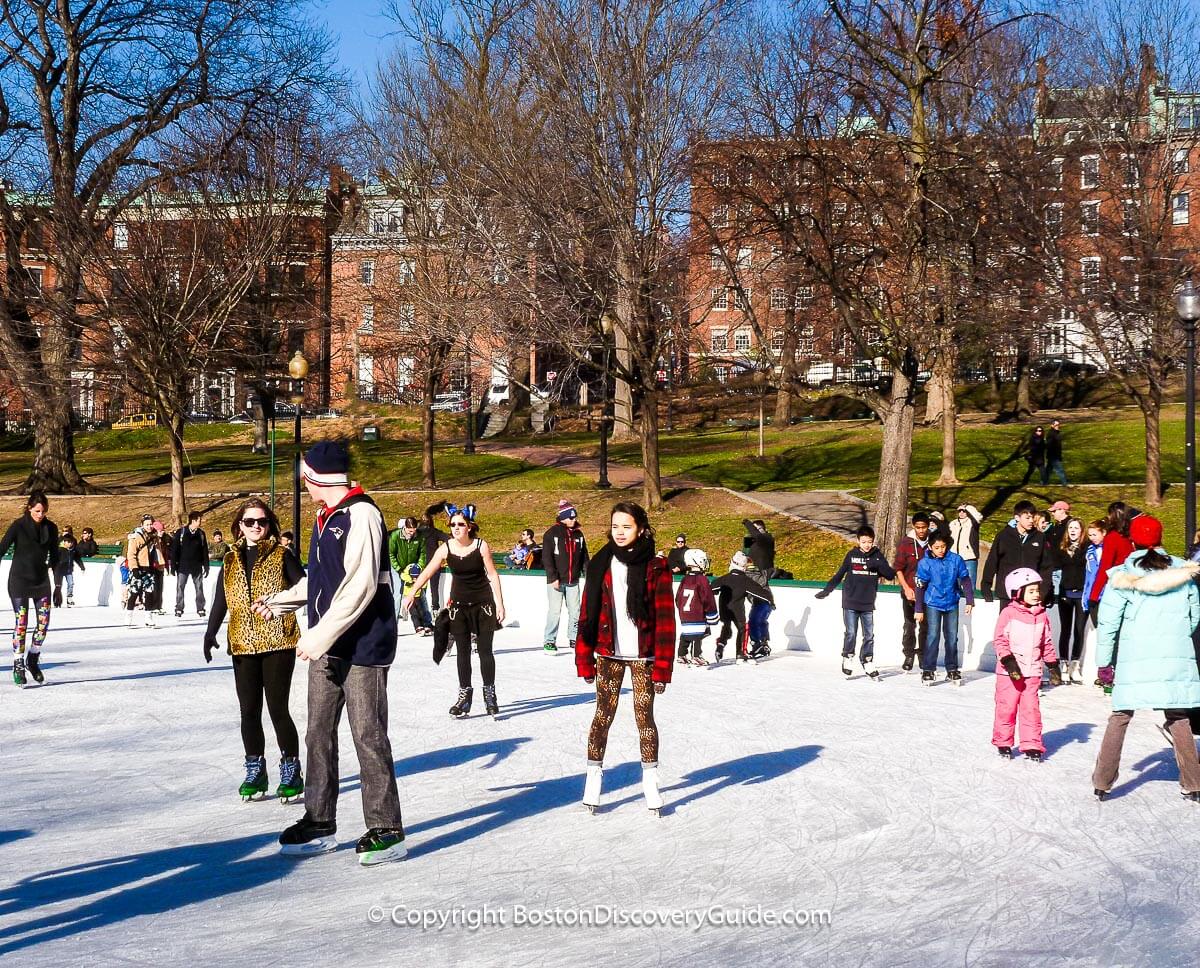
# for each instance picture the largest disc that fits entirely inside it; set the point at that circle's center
(606, 330)
(297, 370)
(469, 446)
(1187, 305)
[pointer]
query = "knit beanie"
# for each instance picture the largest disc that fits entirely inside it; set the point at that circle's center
(327, 464)
(566, 510)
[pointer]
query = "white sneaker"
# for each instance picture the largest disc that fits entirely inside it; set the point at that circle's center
(654, 800)
(591, 786)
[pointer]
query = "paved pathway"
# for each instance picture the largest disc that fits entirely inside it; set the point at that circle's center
(834, 511)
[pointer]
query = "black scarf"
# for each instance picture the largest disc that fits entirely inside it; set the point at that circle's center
(636, 558)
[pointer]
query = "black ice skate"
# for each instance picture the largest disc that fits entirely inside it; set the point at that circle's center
(927, 678)
(1034, 756)
(33, 664)
(1193, 795)
(379, 845)
(463, 706)
(19, 671)
(847, 666)
(1005, 752)
(1100, 795)
(490, 706)
(954, 676)
(907, 664)
(720, 653)
(869, 668)
(307, 837)
(760, 649)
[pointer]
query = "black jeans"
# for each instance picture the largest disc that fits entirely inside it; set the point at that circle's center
(909, 640)
(1072, 621)
(472, 619)
(269, 675)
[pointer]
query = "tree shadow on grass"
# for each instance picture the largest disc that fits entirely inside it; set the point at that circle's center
(135, 885)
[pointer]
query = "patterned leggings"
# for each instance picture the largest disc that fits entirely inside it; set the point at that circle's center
(609, 675)
(21, 623)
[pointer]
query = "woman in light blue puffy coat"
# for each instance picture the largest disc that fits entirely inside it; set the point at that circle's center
(1151, 604)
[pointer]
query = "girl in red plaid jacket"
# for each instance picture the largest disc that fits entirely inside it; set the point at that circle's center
(627, 621)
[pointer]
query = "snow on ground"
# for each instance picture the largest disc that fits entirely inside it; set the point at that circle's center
(123, 840)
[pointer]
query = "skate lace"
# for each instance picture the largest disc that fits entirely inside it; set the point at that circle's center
(253, 770)
(489, 692)
(462, 696)
(289, 770)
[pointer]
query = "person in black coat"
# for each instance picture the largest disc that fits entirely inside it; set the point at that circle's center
(675, 559)
(1035, 453)
(759, 545)
(190, 560)
(33, 539)
(1019, 546)
(1070, 558)
(429, 533)
(68, 557)
(87, 546)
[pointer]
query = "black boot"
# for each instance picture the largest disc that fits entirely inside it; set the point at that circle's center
(308, 836)
(19, 671)
(32, 663)
(463, 706)
(489, 701)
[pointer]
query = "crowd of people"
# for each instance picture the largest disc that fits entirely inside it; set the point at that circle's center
(629, 608)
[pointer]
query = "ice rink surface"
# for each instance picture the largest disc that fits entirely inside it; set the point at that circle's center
(790, 792)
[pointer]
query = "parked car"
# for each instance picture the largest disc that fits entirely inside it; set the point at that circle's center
(454, 402)
(1059, 366)
(330, 414)
(135, 421)
(497, 394)
(240, 418)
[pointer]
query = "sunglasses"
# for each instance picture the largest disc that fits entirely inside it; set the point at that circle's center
(254, 522)
(458, 524)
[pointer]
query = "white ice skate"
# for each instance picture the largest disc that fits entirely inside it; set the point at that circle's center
(870, 670)
(1075, 673)
(591, 786)
(654, 800)
(847, 666)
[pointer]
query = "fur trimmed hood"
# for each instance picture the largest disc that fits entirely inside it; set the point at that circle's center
(1153, 582)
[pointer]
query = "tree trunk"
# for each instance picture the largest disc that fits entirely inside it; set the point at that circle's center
(258, 413)
(997, 385)
(943, 375)
(1024, 404)
(1151, 407)
(940, 389)
(651, 480)
(178, 497)
(54, 467)
(895, 463)
(787, 370)
(428, 475)
(520, 420)
(626, 326)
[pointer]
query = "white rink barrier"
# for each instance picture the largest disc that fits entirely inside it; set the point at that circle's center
(800, 622)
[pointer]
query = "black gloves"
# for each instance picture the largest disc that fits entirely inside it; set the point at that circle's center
(1012, 668)
(210, 646)
(822, 594)
(988, 596)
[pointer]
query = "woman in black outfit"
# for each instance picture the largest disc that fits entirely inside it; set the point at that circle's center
(33, 538)
(1071, 559)
(263, 650)
(476, 604)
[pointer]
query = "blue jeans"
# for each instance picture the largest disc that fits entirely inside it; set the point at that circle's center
(852, 620)
(760, 624)
(973, 571)
(1056, 468)
(555, 597)
(939, 623)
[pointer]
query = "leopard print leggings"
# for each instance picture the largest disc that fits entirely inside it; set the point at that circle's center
(609, 675)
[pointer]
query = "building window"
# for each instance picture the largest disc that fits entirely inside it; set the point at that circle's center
(408, 273)
(296, 276)
(1132, 174)
(120, 236)
(1089, 275)
(367, 324)
(1130, 279)
(721, 373)
(1053, 220)
(804, 297)
(366, 272)
(805, 346)
(1129, 216)
(407, 315)
(716, 258)
(720, 216)
(745, 258)
(366, 375)
(1056, 172)
(1090, 223)
(1180, 161)
(720, 299)
(779, 299)
(35, 274)
(720, 175)
(1089, 171)
(741, 298)
(1187, 117)
(1180, 208)
(719, 341)
(741, 340)
(777, 341)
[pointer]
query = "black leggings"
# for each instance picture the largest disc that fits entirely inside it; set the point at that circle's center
(1072, 620)
(266, 674)
(460, 630)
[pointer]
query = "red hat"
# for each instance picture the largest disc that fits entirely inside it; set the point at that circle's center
(1145, 531)
(1060, 506)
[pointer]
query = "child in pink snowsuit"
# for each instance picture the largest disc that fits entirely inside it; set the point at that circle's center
(1023, 643)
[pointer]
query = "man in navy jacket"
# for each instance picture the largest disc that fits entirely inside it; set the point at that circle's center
(349, 644)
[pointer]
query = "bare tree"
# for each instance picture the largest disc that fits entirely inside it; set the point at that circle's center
(96, 94)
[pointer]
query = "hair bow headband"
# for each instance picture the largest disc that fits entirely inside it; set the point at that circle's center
(467, 511)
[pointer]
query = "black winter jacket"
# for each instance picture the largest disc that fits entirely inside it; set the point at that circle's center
(1073, 567)
(35, 552)
(189, 552)
(759, 547)
(1010, 552)
(564, 554)
(859, 575)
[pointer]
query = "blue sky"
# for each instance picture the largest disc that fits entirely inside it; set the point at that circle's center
(359, 28)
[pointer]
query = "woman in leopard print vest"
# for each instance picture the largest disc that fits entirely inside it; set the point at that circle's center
(263, 651)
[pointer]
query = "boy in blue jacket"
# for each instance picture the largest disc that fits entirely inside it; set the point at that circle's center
(942, 579)
(859, 574)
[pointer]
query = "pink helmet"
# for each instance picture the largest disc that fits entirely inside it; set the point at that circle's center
(1018, 578)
